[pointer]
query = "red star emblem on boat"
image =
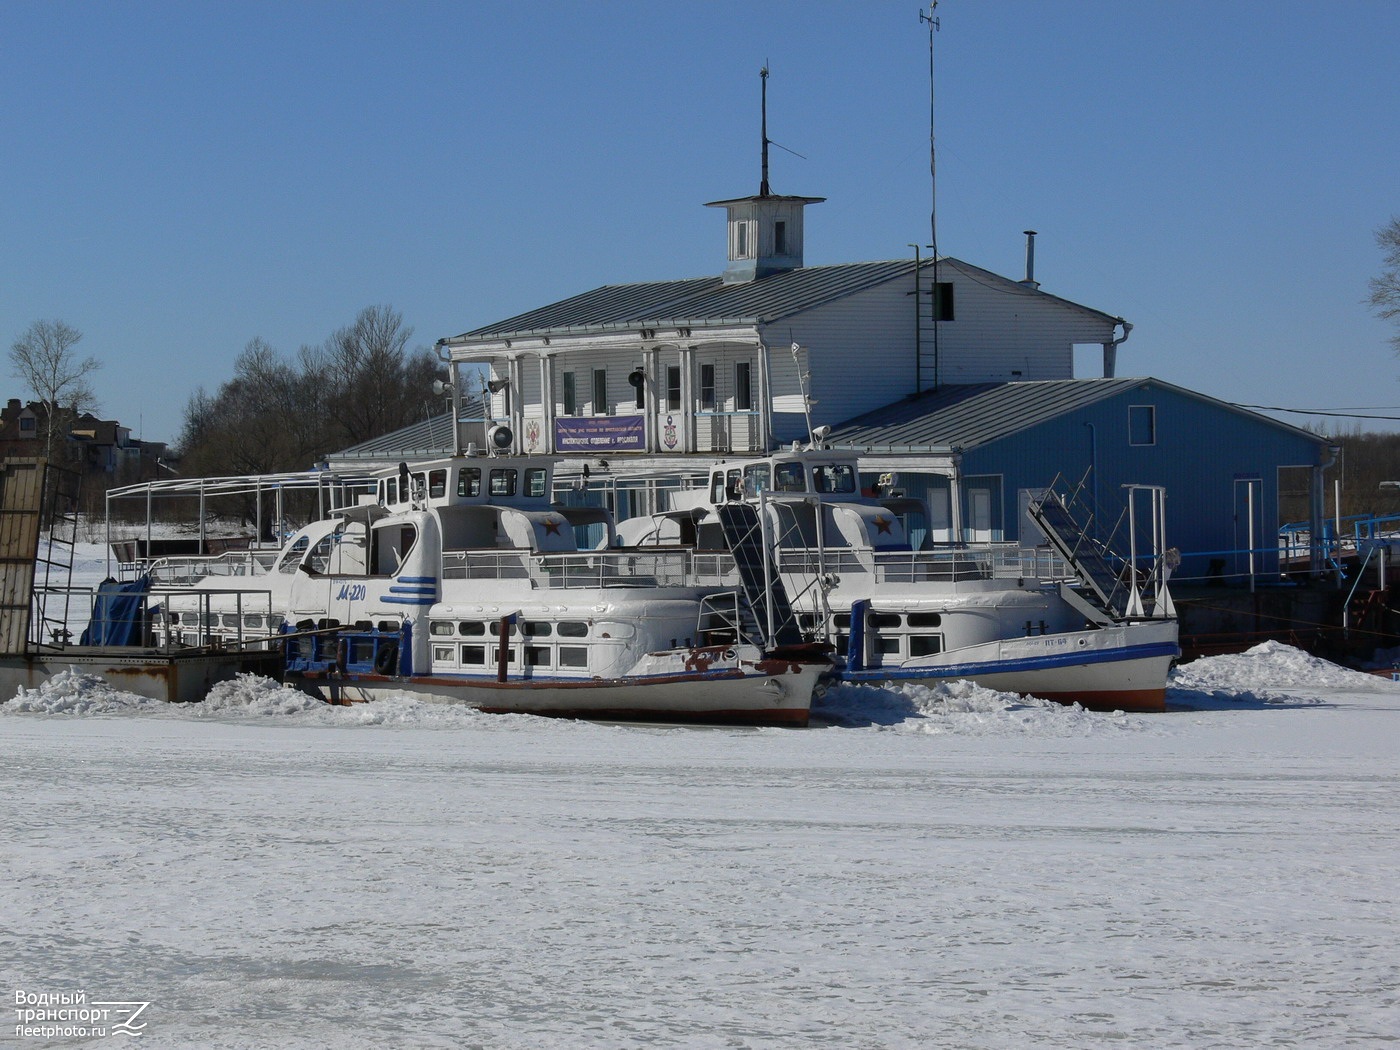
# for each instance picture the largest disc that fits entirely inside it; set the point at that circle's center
(551, 526)
(883, 523)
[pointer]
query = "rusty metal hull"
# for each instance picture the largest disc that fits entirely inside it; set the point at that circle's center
(175, 677)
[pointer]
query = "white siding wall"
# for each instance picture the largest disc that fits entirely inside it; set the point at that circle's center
(862, 346)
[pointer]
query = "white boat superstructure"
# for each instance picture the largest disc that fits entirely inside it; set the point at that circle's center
(458, 579)
(1053, 621)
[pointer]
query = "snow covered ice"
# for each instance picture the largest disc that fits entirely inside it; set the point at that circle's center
(930, 867)
(926, 867)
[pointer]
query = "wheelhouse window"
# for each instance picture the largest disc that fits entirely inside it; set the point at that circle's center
(469, 481)
(834, 477)
(437, 483)
(788, 477)
(1142, 424)
(535, 481)
(743, 389)
(673, 388)
(503, 481)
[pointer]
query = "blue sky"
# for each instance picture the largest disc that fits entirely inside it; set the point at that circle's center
(179, 178)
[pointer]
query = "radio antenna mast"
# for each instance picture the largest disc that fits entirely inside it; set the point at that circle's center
(763, 185)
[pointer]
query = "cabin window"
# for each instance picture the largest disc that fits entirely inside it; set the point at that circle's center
(441, 627)
(573, 629)
(535, 481)
(469, 481)
(925, 644)
(878, 620)
(570, 395)
(391, 491)
(573, 656)
(835, 477)
(437, 484)
(471, 628)
(474, 654)
(600, 391)
(503, 481)
(444, 654)
(673, 388)
(925, 620)
(536, 655)
(538, 630)
(743, 391)
(1142, 424)
(707, 388)
(292, 558)
(788, 477)
(943, 301)
(780, 238)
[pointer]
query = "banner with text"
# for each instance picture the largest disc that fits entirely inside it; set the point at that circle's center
(600, 434)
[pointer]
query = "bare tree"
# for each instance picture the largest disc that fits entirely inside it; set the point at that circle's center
(1385, 289)
(45, 359)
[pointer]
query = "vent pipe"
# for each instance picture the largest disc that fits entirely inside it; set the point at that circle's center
(1030, 281)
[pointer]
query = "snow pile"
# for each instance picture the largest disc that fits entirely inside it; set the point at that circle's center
(73, 693)
(961, 708)
(1270, 673)
(255, 696)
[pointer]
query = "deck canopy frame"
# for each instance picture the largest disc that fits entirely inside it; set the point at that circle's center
(334, 492)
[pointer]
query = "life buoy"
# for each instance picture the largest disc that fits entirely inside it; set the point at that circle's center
(386, 658)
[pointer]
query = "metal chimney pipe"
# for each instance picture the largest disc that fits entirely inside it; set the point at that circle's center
(1030, 260)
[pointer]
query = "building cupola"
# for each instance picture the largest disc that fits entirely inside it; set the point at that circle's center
(765, 232)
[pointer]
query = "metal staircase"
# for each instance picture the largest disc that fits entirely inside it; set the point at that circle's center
(53, 563)
(767, 597)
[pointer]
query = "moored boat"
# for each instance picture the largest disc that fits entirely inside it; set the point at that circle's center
(1053, 621)
(458, 580)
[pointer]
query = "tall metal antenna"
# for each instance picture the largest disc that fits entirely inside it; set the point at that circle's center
(933, 185)
(763, 185)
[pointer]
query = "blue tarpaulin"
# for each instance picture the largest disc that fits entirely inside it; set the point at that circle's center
(117, 613)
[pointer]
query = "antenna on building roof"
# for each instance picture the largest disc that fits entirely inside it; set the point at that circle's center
(933, 191)
(763, 77)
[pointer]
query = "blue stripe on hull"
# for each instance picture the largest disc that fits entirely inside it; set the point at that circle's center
(1018, 666)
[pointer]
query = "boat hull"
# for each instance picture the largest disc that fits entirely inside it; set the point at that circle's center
(769, 692)
(1119, 668)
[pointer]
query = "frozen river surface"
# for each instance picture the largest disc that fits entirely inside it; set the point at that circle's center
(945, 868)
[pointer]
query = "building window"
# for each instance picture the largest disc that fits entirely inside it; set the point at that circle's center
(1142, 424)
(707, 388)
(673, 388)
(600, 391)
(570, 395)
(27, 423)
(780, 238)
(943, 301)
(743, 390)
(742, 248)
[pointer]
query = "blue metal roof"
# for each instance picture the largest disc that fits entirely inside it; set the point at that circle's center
(967, 417)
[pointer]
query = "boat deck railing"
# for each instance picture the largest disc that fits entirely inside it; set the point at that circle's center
(642, 567)
(954, 565)
(184, 570)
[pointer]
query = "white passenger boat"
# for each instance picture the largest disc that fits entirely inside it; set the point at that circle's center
(1057, 621)
(459, 580)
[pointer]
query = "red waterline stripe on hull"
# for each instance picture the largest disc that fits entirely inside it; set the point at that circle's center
(1136, 700)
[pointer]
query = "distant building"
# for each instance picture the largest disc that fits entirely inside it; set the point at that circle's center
(92, 445)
